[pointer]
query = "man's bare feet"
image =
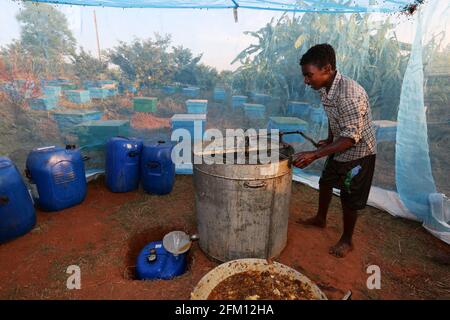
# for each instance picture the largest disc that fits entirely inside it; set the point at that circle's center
(315, 221)
(341, 249)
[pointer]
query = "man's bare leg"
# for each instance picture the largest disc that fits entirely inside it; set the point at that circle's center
(320, 220)
(345, 244)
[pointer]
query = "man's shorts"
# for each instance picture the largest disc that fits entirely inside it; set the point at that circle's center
(353, 178)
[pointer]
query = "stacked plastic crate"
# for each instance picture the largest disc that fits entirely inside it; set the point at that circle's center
(237, 102)
(220, 94)
(98, 132)
(197, 106)
(68, 119)
(192, 92)
(145, 104)
(77, 96)
(195, 125)
(254, 110)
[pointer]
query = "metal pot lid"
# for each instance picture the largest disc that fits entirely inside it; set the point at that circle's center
(251, 145)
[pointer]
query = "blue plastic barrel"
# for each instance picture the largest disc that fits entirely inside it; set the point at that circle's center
(17, 214)
(157, 168)
(59, 176)
(122, 164)
(155, 262)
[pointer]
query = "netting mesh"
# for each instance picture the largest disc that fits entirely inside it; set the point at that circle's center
(81, 74)
(327, 6)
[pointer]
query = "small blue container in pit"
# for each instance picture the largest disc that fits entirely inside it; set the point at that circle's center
(59, 176)
(17, 214)
(157, 168)
(122, 164)
(155, 262)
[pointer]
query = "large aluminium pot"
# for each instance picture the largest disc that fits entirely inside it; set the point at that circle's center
(243, 209)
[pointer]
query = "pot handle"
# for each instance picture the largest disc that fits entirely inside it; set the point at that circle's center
(254, 184)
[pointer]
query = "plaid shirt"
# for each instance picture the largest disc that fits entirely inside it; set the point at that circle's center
(349, 115)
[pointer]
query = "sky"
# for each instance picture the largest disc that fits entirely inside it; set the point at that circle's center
(211, 32)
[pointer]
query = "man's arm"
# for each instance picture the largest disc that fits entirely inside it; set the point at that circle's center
(305, 158)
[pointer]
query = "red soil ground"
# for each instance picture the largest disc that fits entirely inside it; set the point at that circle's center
(104, 234)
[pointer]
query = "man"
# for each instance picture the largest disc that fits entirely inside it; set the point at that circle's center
(350, 145)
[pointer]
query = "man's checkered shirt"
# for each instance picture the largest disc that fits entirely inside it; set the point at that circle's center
(349, 115)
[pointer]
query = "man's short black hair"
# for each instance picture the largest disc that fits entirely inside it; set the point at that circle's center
(320, 55)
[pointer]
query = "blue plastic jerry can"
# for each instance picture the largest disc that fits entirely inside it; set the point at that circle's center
(17, 214)
(157, 168)
(122, 164)
(155, 262)
(59, 176)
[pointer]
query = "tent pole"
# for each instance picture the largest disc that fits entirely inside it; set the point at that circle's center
(96, 33)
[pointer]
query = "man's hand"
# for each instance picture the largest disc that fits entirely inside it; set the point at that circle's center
(304, 159)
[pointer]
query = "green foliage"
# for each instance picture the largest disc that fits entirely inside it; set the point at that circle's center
(185, 65)
(367, 53)
(46, 37)
(15, 60)
(150, 63)
(145, 62)
(87, 67)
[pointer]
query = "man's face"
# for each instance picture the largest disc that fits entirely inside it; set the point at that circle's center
(315, 76)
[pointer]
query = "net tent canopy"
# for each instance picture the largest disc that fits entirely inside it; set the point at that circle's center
(133, 68)
(280, 5)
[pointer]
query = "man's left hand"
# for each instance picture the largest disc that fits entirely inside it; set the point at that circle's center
(304, 159)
